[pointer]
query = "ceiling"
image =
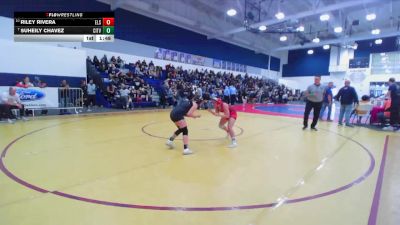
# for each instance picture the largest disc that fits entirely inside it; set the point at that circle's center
(209, 17)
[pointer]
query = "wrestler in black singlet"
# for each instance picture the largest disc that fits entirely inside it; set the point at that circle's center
(178, 113)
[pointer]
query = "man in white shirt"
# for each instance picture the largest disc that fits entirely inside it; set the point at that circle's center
(124, 95)
(91, 89)
(10, 100)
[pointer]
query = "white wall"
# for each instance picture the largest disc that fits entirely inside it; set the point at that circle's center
(339, 72)
(339, 59)
(27, 58)
(68, 58)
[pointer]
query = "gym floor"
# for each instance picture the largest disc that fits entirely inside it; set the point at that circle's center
(115, 169)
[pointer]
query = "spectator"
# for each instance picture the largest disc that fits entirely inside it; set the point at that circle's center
(10, 100)
(170, 97)
(394, 95)
(163, 97)
(96, 61)
(365, 102)
(285, 98)
(84, 88)
(382, 116)
(88, 60)
(26, 83)
(328, 97)
(39, 83)
(124, 96)
(64, 96)
(104, 60)
(347, 96)
(233, 94)
(227, 92)
(91, 91)
(314, 95)
(206, 81)
(110, 92)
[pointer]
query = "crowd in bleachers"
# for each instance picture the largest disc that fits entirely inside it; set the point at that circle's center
(232, 89)
(126, 84)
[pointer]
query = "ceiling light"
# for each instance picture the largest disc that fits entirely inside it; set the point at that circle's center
(283, 38)
(310, 52)
(262, 28)
(300, 28)
(324, 17)
(338, 29)
(326, 47)
(378, 41)
(383, 54)
(280, 15)
(315, 40)
(370, 16)
(376, 31)
(355, 46)
(231, 12)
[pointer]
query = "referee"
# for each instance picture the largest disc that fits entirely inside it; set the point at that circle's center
(314, 96)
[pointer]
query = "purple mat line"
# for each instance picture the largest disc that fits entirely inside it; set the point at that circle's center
(373, 216)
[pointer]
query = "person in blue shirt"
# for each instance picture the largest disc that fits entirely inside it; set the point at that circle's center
(233, 93)
(327, 102)
(347, 96)
(227, 94)
(91, 99)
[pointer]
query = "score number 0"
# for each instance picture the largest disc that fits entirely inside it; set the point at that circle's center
(108, 21)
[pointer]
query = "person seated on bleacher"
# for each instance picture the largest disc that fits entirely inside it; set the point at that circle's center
(111, 92)
(144, 94)
(96, 61)
(39, 83)
(124, 96)
(104, 60)
(120, 62)
(113, 60)
(25, 83)
(9, 101)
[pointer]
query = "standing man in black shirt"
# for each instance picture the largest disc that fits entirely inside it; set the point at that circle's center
(347, 96)
(394, 95)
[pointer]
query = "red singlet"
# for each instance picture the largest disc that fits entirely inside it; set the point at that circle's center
(232, 112)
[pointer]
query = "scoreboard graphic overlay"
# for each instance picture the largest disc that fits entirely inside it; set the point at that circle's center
(64, 26)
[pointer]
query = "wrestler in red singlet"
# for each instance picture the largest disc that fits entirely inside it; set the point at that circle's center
(228, 115)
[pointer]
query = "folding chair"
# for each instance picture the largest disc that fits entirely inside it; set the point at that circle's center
(363, 111)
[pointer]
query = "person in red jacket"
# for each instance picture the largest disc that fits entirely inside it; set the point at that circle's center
(26, 83)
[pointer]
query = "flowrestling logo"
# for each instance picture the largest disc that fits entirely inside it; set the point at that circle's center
(28, 94)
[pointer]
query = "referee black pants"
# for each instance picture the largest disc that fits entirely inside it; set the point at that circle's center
(316, 106)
